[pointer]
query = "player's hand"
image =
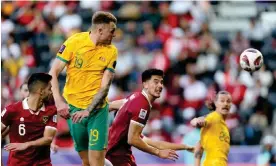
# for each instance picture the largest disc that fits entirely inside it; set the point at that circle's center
(63, 109)
(168, 154)
(79, 116)
(54, 147)
(198, 122)
(16, 146)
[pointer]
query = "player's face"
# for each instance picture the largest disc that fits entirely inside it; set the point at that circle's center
(154, 86)
(223, 103)
(24, 91)
(46, 92)
(107, 33)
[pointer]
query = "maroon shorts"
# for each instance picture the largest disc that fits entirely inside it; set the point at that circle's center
(121, 160)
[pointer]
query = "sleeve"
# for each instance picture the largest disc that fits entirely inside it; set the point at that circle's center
(65, 52)
(6, 116)
(113, 62)
(52, 122)
(209, 120)
(140, 114)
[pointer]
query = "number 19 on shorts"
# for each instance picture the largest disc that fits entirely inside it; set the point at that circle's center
(94, 136)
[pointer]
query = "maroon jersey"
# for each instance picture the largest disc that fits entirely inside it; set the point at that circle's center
(136, 108)
(26, 125)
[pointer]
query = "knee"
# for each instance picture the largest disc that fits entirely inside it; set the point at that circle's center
(96, 159)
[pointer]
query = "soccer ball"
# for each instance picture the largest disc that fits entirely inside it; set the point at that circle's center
(251, 60)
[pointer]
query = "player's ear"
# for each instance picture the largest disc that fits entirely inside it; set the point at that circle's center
(41, 91)
(100, 29)
(145, 85)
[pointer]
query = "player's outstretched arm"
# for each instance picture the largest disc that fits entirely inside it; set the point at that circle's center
(98, 98)
(116, 105)
(198, 154)
(168, 145)
(55, 70)
(198, 122)
(48, 136)
(134, 139)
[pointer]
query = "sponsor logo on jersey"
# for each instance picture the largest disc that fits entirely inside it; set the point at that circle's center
(102, 59)
(143, 114)
(21, 119)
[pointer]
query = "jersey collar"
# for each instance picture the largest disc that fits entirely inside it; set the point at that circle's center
(147, 97)
(26, 107)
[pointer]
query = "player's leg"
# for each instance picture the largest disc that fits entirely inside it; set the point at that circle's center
(98, 133)
(84, 157)
(80, 137)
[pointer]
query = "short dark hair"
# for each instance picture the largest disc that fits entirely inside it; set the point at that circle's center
(211, 104)
(38, 78)
(102, 17)
(146, 75)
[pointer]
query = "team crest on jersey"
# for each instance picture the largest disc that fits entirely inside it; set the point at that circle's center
(78, 61)
(143, 114)
(45, 119)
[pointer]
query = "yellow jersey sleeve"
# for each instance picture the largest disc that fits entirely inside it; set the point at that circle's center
(66, 51)
(208, 120)
(113, 61)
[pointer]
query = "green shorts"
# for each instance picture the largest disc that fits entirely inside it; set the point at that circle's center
(92, 132)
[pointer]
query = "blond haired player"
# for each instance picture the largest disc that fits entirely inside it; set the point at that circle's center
(214, 137)
(90, 59)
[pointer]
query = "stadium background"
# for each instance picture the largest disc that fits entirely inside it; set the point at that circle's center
(197, 44)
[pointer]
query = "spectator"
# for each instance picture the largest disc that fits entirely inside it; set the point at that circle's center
(266, 154)
(239, 43)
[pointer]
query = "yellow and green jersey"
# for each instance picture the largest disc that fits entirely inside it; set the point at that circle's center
(86, 64)
(215, 140)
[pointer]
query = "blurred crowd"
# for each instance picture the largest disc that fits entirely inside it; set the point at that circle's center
(172, 36)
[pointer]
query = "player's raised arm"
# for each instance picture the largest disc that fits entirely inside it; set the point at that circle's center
(99, 97)
(167, 145)
(198, 154)
(134, 139)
